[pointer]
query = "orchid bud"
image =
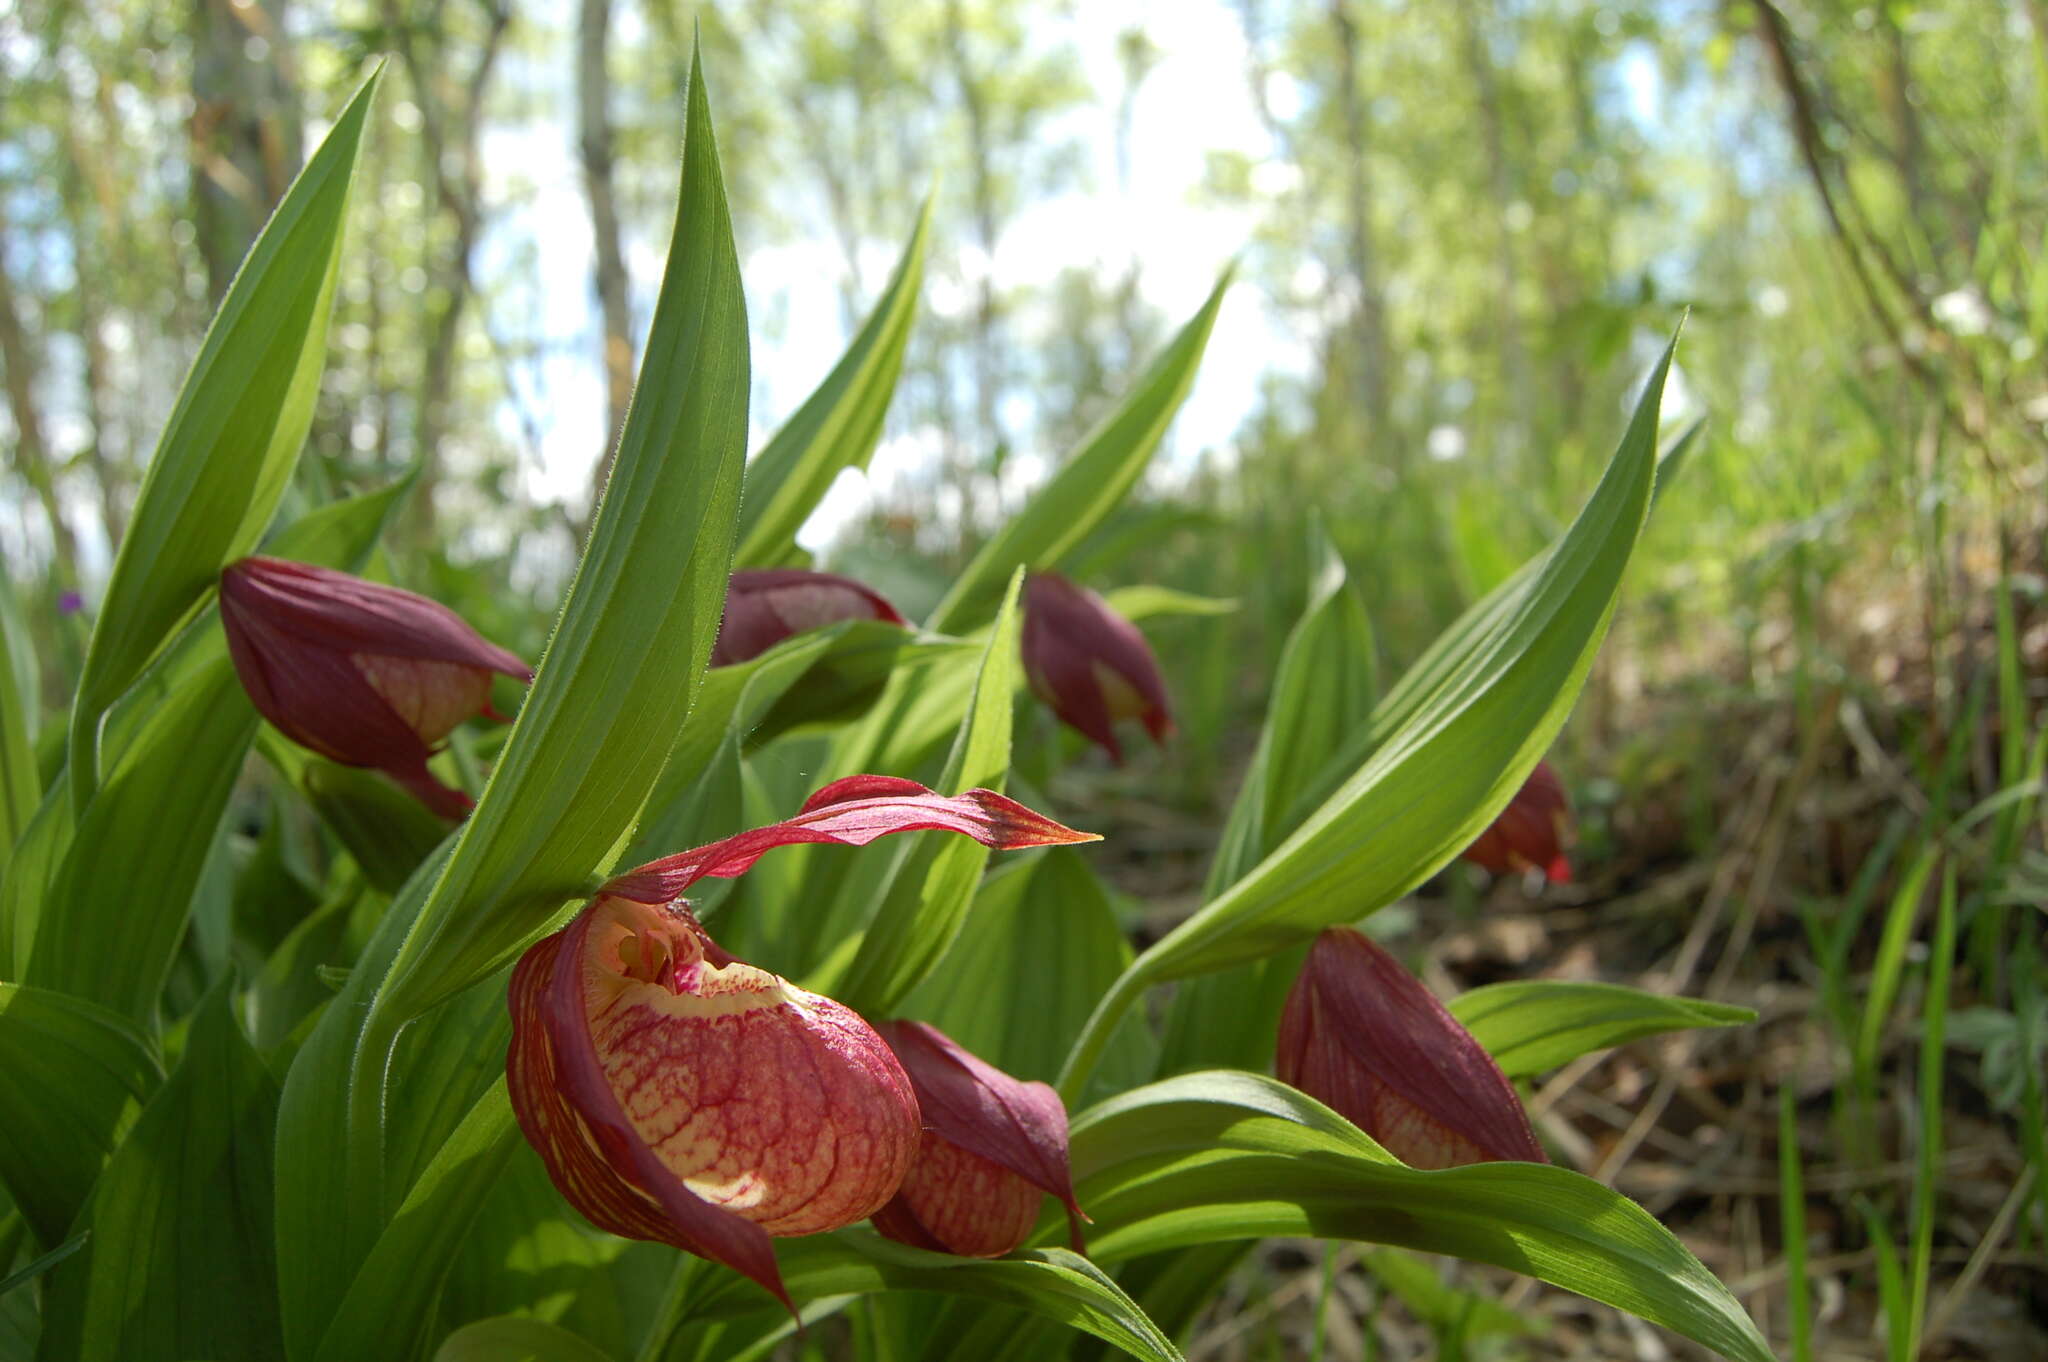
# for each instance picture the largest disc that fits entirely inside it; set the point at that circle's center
(1362, 1036)
(363, 674)
(1532, 831)
(677, 1094)
(993, 1148)
(764, 608)
(1090, 664)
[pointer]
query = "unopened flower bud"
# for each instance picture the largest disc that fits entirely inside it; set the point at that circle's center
(364, 674)
(1090, 664)
(1362, 1036)
(765, 607)
(1531, 833)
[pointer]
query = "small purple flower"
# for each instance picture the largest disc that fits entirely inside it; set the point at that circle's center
(70, 603)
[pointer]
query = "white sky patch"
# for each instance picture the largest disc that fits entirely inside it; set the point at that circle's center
(1193, 101)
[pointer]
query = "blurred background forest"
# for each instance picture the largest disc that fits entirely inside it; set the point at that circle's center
(1461, 231)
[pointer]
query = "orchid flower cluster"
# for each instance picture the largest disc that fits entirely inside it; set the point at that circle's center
(678, 1094)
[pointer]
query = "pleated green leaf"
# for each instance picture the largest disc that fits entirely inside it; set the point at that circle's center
(179, 1264)
(1090, 484)
(389, 1305)
(1323, 692)
(73, 1077)
(838, 424)
(1219, 1156)
(1469, 733)
(332, 1202)
(227, 452)
(628, 654)
(1053, 1282)
(1532, 1025)
(933, 883)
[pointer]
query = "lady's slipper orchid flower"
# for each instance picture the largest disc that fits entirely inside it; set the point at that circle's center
(363, 674)
(679, 1095)
(1090, 664)
(1362, 1036)
(763, 608)
(993, 1148)
(1532, 832)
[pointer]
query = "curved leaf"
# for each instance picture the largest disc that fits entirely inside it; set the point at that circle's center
(228, 450)
(1090, 484)
(73, 1076)
(1470, 732)
(617, 682)
(1052, 1282)
(1531, 1025)
(515, 1338)
(179, 1264)
(1218, 1156)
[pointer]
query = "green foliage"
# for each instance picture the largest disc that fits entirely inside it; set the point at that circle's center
(1225, 1155)
(182, 1214)
(75, 1075)
(335, 1149)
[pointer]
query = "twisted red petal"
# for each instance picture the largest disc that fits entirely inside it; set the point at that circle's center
(851, 812)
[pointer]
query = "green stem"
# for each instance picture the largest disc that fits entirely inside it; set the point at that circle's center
(1094, 1037)
(369, 1069)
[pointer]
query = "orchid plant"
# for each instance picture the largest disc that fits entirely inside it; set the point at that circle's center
(568, 1064)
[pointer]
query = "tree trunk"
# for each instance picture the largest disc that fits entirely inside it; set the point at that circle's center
(32, 447)
(988, 437)
(593, 44)
(246, 131)
(1368, 317)
(1514, 360)
(451, 122)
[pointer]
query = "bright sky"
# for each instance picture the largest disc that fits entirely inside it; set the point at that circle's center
(1193, 102)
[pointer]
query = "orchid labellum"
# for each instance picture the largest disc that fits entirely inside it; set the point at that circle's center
(680, 1095)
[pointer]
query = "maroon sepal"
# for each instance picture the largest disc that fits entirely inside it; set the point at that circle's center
(968, 1103)
(305, 641)
(1361, 1035)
